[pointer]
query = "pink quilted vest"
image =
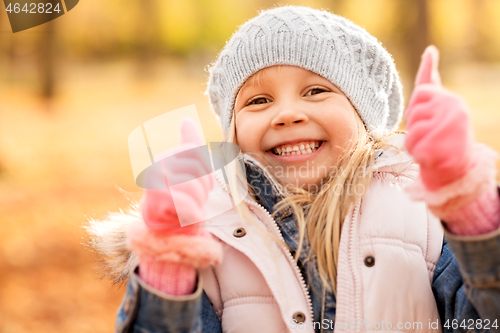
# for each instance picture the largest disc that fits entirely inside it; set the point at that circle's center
(386, 263)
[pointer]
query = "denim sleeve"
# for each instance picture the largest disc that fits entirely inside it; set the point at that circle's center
(466, 283)
(146, 310)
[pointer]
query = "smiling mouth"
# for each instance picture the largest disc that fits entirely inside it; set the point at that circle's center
(300, 148)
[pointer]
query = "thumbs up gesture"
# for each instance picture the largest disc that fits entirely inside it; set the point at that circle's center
(440, 136)
(457, 175)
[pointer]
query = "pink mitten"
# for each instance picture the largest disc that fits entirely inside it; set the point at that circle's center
(454, 171)
(188, 172)
(172, 243)
(439, 133)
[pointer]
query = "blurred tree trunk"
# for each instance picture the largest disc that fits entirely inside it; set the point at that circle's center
(11, 56)
(147, 30)
(412, 33)
(479, 40)
(418, 36)
(47, 60)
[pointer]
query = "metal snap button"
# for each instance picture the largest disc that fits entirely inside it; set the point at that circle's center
(126, 307)
(369, 261)
(299, 317)
(240, 232)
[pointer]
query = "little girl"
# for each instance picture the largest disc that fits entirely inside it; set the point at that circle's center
(343, 230)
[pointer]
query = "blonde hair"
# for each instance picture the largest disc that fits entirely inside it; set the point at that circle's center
(322, 224)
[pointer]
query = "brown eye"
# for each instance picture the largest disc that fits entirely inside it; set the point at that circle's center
(315, 91)
(258, 100)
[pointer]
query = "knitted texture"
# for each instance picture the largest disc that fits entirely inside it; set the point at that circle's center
(171, 278)
(324, 43)
(480, 216)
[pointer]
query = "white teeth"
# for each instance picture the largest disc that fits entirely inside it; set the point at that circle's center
(301, 149)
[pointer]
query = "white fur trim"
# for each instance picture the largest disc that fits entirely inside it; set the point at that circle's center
(480, 175)
(200, 250)
(108, 238)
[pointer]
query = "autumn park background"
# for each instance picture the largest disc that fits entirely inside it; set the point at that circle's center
(73, 89)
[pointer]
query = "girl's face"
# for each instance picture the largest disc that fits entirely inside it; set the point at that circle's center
(296, 123)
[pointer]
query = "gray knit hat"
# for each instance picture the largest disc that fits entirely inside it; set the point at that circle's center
(324, 43)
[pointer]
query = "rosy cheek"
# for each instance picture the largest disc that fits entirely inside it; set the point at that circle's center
(242, 141)
(246, 133)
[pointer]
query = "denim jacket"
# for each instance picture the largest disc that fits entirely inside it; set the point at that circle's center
(466, 285)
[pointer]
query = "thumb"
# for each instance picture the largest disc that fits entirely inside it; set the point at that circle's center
(189, 132)
(428, 70)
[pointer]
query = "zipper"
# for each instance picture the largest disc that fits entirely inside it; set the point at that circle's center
(352, 239)
(289, 256)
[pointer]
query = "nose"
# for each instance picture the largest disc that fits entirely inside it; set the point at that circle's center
(288, 115)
